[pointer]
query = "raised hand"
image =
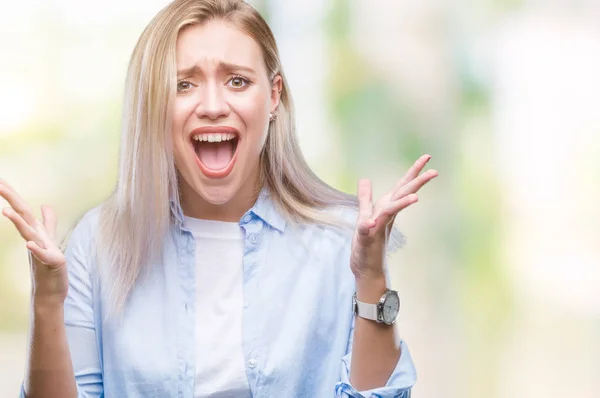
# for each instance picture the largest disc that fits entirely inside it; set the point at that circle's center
(49, 279)
(374, 222)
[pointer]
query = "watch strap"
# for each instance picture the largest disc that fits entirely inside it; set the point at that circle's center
(365, 310)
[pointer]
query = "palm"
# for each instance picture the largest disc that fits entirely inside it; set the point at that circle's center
(375, 221)
(53, 257)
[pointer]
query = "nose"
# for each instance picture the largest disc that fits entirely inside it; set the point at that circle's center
(212, 104)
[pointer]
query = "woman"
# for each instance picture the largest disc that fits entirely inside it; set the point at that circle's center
(221, 265)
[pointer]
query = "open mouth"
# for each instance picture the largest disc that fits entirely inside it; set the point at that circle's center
(215, 150)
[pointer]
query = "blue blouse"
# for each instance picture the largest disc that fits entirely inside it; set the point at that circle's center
(297, 316)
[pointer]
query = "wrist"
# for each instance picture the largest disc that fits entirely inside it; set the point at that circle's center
(370, 290)
(44, 307)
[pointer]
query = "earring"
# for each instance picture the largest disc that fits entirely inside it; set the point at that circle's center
(272, 116)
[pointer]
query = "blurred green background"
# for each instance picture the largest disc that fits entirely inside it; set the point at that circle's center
(499, 279)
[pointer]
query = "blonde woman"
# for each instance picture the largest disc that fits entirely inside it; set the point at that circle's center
(221, 266)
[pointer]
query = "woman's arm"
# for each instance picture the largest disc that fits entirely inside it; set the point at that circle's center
(375, 348)
(63, 356)
(49, 372)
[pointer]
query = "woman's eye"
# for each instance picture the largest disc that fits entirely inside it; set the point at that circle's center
(183, 85)
(238, 82)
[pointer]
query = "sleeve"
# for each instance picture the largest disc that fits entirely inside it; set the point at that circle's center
(399, 384)
(79, 314)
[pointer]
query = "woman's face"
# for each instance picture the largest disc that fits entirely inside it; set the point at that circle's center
(221, 112)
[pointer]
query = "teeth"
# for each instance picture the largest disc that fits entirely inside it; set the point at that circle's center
(214, 137)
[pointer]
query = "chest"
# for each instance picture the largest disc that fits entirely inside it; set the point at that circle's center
(295, 309)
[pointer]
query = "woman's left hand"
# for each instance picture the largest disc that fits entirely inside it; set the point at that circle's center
(375, 222)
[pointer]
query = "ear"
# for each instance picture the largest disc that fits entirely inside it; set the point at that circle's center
(276, 88)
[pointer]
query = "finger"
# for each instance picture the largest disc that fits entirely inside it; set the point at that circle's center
(50, 221)
(365, 199)
(414, 185)
(391, 211)
(26, 231)
(16, 202)
(48, 257)
(413, 172)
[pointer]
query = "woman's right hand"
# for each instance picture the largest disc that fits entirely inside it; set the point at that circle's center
(49, 280)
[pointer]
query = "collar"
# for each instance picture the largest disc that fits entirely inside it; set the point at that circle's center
(265, 209)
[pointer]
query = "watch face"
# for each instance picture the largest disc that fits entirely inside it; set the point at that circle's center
(391, 306)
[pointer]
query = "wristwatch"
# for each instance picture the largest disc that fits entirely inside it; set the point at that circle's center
(385, 311)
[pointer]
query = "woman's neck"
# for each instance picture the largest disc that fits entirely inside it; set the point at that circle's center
(195, 206)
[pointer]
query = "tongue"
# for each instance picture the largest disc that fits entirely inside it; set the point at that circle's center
(215, 155)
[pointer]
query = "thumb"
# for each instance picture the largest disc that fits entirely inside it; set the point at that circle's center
(365, 206)
(365, 199)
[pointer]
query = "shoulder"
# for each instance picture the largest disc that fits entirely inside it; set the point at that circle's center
(333, 231)
(79, 240)
(86, 225)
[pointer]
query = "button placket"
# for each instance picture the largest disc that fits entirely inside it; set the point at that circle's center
(251, 334)
(185, 247)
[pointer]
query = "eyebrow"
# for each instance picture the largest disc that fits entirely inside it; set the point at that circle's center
(195, 69)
